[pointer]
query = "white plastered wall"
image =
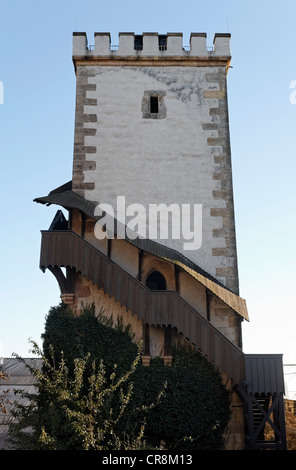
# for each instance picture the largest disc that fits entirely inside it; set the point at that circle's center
(153, 161)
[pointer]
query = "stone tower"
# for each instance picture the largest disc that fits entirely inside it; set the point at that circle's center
(177, 153)
(151, 144)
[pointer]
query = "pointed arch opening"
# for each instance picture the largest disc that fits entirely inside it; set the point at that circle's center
(156, 281)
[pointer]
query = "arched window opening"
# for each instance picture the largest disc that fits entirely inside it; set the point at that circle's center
(156, 281)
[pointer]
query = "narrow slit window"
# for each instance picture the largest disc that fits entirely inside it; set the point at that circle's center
(153, 105)
(154, 108)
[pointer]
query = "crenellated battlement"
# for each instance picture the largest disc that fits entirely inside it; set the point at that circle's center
(154, 45)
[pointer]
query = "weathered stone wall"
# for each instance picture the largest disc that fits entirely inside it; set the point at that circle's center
(235, 432)
(290, 421)
(290, 415)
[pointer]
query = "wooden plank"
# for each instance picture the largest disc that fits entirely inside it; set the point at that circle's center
(204, 339)
(130, 301)
(211, 346)
(124, 292)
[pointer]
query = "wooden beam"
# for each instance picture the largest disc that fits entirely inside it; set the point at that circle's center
(208, 301)
(146, 334)
(140, 262)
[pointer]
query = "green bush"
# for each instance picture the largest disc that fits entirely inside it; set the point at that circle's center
(93, 392)
(194, 410)
(87, 333)
(74, 410)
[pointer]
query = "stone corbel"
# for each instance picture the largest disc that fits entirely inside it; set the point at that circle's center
(146, 361)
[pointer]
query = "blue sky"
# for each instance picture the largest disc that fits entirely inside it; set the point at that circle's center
(36, 145)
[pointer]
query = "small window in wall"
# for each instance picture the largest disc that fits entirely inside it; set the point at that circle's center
(138, 44)
(162, 42)
(153, 104)
(156, 281)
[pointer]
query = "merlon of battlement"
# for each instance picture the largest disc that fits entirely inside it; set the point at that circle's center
(151, 44)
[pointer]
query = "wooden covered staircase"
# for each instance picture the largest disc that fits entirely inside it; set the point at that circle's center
(65, 248)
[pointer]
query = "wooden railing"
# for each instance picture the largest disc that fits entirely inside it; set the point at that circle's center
(67, 249)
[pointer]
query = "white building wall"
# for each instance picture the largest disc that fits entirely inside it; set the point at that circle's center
(155, 160)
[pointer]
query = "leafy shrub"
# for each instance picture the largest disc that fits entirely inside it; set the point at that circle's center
(194, 410)
(185, 405)
(77, 336)
(67, 415)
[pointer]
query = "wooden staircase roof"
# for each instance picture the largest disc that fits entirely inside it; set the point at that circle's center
(65, 197)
